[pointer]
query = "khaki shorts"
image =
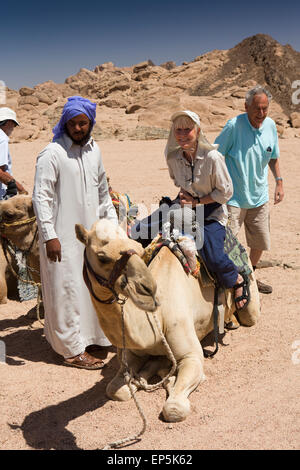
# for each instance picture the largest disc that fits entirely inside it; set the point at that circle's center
(257, 225)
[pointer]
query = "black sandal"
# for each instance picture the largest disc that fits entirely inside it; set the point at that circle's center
(246, 292)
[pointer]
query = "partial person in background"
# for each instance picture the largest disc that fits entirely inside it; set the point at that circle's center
(70, 187)
(8, 185)
(249, 143)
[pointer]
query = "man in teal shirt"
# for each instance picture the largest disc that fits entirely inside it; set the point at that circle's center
(249, 143)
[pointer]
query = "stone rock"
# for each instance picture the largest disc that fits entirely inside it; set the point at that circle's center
(290, 266)
(148, 133)
(119, 86)
(83, 75)
(139, 100)
(142, 65)
(20, 134)
(239, 94)
(53, 113)
(114, 103)
(26, 91)
(106, 66)
(169, 65)
(295, 119)
(280, 131)
(132, 108)
(269, 263)
(26, 107)
(33, 100)
(151, 73)
(43, 97)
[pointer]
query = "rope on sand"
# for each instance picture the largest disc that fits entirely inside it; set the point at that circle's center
(130, 380)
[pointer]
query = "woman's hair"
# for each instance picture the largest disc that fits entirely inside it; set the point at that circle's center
(184, 122)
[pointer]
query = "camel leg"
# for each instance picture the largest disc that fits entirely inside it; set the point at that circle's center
(170, 382)
(154, 366)
(3, 290)
(189, 356)
(117, 389)
(3, 283)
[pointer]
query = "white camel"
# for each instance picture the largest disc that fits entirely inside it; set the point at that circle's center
(184, 311)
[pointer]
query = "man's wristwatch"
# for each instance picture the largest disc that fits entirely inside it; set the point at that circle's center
(278, 178)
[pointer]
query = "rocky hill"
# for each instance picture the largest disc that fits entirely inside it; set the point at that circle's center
(136, 102)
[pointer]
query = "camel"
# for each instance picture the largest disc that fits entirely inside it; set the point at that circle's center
(183, 309)
(18, 226)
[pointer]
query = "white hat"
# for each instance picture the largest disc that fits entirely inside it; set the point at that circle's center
(8, 114)
(194, 117)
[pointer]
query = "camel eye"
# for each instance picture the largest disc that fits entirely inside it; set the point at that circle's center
(7, 215)
(104, 259)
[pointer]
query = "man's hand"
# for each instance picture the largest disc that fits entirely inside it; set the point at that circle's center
(53, 248)
(20, 188)
(279, 194)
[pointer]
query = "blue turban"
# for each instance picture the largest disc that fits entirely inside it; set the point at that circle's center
(74, 106)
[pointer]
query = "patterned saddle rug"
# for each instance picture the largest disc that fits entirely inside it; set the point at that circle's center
(234, 249)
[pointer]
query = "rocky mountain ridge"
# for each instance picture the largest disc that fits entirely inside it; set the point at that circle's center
(136, 102)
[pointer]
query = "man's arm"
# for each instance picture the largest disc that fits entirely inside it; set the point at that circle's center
(46, 175)
(275, 169)
(106, 208)
(6, 177)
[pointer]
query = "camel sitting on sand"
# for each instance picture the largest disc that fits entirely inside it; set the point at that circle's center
(163, 289)
(18, 227)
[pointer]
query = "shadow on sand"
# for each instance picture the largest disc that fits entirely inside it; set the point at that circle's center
(47, 428)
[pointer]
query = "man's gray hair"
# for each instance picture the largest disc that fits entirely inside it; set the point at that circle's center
(257, 90)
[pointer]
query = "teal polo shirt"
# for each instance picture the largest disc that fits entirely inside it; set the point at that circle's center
(247, 152)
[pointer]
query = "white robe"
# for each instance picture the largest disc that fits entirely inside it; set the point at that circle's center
(70, 187)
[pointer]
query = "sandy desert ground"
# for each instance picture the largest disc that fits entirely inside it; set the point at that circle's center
(250, 399)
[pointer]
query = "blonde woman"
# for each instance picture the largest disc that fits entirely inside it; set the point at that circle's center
(199, 170)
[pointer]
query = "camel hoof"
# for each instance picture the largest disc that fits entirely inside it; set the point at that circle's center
(175, 411)
(119, 392)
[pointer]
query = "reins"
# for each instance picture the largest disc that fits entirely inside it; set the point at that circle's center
(107, 283)
(20, 222)
(7, 245)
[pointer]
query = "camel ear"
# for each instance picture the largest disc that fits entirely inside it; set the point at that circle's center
(82, 234)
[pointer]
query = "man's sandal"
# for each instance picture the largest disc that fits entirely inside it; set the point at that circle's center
(85, 361)
(246, 292)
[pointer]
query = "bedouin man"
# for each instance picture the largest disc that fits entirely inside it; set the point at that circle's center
(70, 187)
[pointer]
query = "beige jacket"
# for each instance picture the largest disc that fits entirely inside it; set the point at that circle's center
(207, 176)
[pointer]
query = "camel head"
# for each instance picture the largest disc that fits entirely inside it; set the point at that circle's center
(17, 218)
(105, 244)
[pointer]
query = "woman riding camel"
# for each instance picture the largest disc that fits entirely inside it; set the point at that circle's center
(199, 170)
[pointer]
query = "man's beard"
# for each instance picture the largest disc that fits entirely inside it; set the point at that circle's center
(84, 139)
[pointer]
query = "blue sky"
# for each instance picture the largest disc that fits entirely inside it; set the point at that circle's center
(50, 41)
